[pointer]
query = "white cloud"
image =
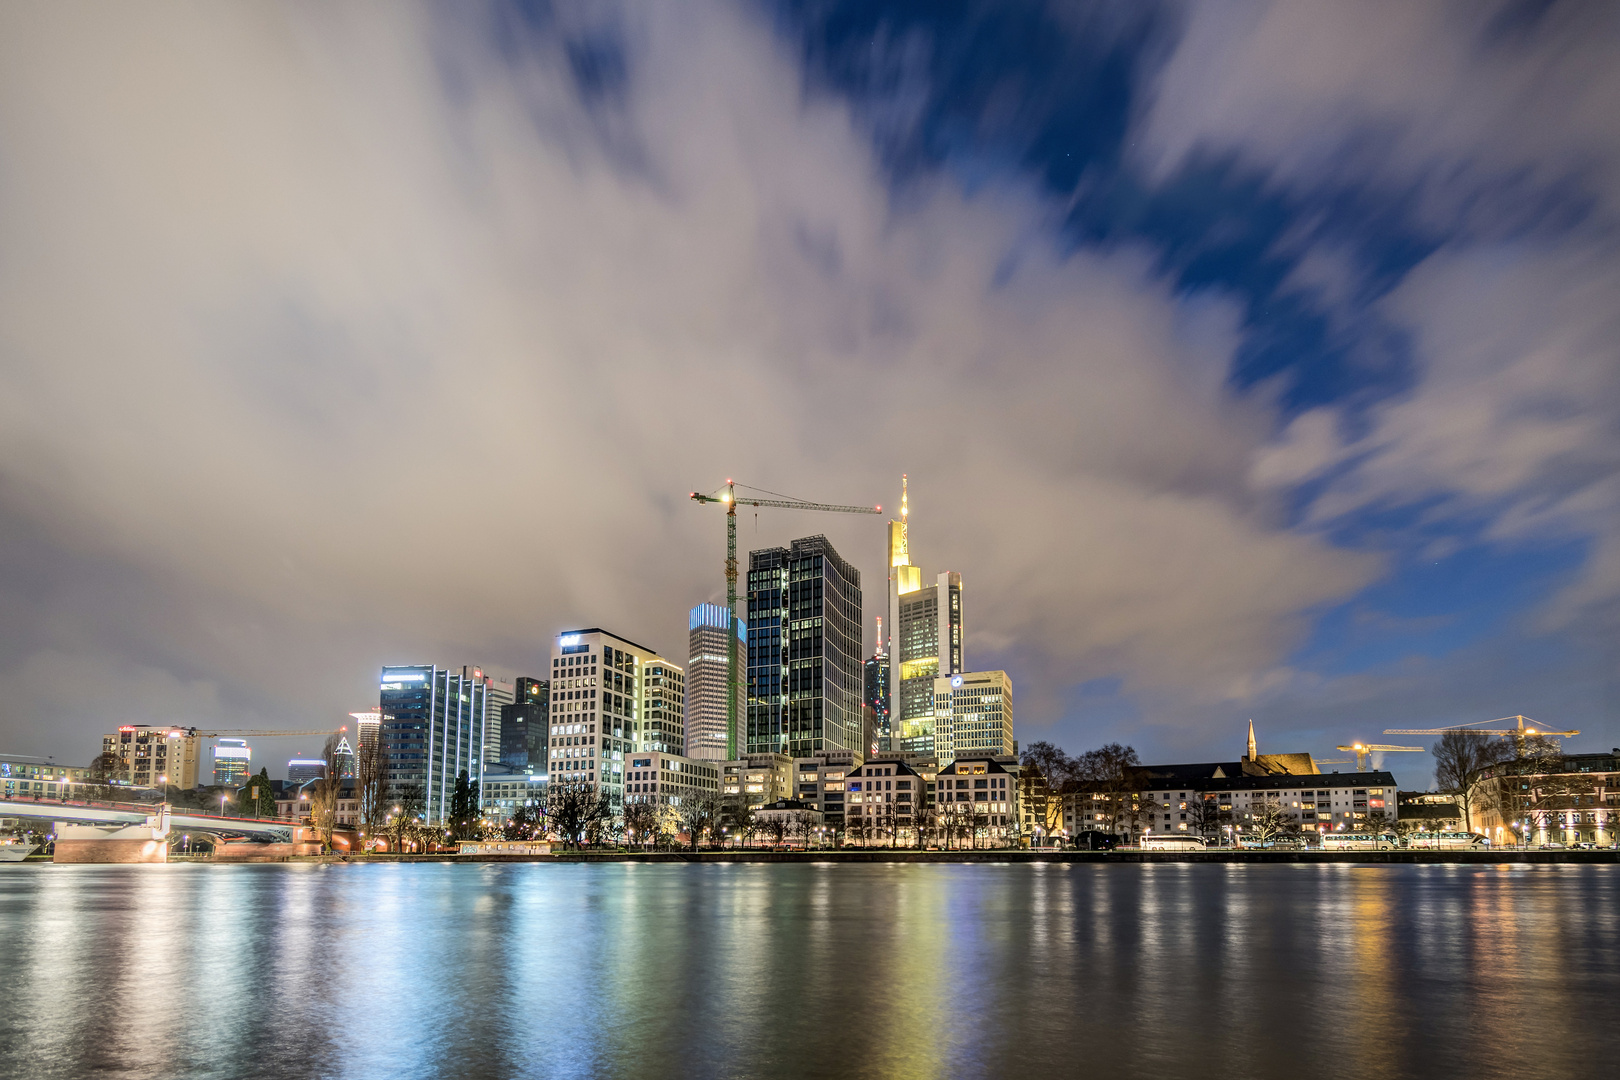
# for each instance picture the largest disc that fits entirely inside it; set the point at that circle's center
(363, 332)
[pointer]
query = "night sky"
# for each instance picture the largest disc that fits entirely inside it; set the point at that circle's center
(1248, 361)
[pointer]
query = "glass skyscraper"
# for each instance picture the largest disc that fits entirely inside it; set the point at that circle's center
(804, 650)
(435, 725)
(708, 661)
(524, 724)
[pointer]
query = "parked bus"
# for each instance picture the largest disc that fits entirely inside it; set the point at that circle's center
(1341, 841)
(1446, 841)
(1172, 842)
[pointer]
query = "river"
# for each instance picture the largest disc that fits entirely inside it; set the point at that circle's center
(1167, 971)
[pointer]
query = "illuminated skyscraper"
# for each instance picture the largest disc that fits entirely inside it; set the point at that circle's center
(232, 761)
(804, 649)
(436, 724)
(875, 698)
(524, 724)
(925, 624)
(706, 681)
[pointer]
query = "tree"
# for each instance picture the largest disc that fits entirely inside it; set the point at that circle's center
(463, 818)
(106, 768)
(1205, 815)
(1054, 765)
(526, 823)
(371, 788)
(641, 822)
(1106, 775)
(1461, 758)
(256, 798)
(699, 813)
(407, 805)
(1268, 820)
(324, 791)
(576, 813)
(1531, 791)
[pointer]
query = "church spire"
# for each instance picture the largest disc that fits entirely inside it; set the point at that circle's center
(1253, 753)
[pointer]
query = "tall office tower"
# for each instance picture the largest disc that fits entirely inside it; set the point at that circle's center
(875, 698)
(501, 694)
(344, 758)
(663, 707)
(367, 727)
(706, 681)
(925, 624)
(973, 715)
(804, 649)
(597, 698)
(435, 725)
(524, 724)
(301, 770)
(232, 761)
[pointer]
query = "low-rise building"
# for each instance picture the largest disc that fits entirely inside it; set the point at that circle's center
(979, 795)
(665, 779)
(887, 800)
(506, 790)
(292, 803)
(821, 780)
(756, 779)
(800, 822)
(1570, 800)
(24, 777)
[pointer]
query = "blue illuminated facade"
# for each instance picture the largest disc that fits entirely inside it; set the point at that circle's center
(434, 725)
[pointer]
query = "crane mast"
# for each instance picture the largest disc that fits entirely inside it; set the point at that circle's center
(728, 496)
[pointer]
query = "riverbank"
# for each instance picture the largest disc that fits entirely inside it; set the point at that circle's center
(1005, 858)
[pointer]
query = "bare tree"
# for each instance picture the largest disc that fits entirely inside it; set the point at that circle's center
(405, 806)
(1206, 817)
(641, 823)
(323, 793)
(371, 788)
(1106, 774)
(1268, 820)
(1461, 758)
(1532, 792)
(576, 813)
(701, 813)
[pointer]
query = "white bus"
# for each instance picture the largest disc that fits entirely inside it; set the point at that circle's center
(1172, 842)
(1446, 841)
(1344, 841)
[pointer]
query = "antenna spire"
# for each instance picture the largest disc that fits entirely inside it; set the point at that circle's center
(904, 509)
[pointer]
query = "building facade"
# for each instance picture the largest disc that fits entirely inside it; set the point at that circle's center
(663, 707)
(233, 761)
(599, 698)
(973, 715)
(525, 724)
(885, 802)
(978, 796)
(436, 724)
(754, 780)
(804, 650)
(505, 790)
(24, 777)
(668, 780)
(155, 756)
(708, 736)
(876, 699)
(822, 780)
(1575, 801)
(301, 770)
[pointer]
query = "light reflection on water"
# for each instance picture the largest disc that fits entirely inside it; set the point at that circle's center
(921, 972)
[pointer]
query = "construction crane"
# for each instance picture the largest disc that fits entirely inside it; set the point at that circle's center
(727, 496)
(1522, 726)
(1364, 750)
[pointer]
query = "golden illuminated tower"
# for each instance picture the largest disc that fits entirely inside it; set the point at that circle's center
(925, 638)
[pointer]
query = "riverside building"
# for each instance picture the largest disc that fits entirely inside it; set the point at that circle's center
(978, 795)
(708, 661)
(663, 707)
(668, 780)
(804, 650)
(436, 724)
(821, 780)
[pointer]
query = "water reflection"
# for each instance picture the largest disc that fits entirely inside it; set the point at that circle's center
(808, 970)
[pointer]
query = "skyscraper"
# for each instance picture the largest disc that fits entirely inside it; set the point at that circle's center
(232, 761)
(367, 727)
(973, 715)
(706, 681)
(804, 649)
(524, 724)
(925, 623)
(344, 758)
(301, 770)
(599, 701)
(435, 725)
(876, 699)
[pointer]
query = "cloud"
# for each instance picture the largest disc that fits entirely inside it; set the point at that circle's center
(388, 338)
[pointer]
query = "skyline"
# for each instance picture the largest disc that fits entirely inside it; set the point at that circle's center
(1261, 367)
